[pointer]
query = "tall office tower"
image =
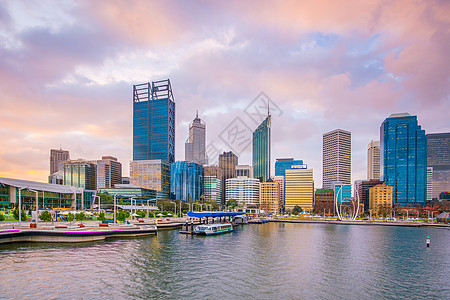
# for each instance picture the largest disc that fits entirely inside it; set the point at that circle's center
(403, 151)
(57, 156)
(227, 163)
(195, 146)
(109, 172)
(337, 157)
(244, 170)
(299, 189)
(373, 160)
(78, 173)
(269, 200)
(280, 180)
(438, 158)
(212, 189)
(429, 183)
(244, 190)
(282, 164)
(151, 174)
(261, 150)
(186, 181)
(154, 122)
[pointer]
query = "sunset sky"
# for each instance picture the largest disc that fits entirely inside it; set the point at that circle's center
(67, 69)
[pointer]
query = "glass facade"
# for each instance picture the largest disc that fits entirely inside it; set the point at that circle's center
(438, 158)
(212, 189)
(342, 192)
(195, 146)
(109, 172)
(299, 189)
(153, 122)
(81, 174)
(227, 163)
(186, 181)
(261, 150)
(151, 174)
(283, 164)
(124, 193)
(403, 153)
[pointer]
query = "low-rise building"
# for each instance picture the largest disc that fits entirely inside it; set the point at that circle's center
(380, 199)
(324, 202)
(244, 190)
(270, 201)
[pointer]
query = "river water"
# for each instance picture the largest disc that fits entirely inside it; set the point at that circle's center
(269, 261)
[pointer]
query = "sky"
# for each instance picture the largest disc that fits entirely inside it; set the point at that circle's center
(67, 70)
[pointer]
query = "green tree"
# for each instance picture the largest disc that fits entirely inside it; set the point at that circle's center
(2, 217)
(232, 203)
(45, 216)
(121, 216)
(141, 214)
(101, 216)
(80, 217)
(151, 215)
(297, 209)
(70, 217)
(16, 215)
(106, 199)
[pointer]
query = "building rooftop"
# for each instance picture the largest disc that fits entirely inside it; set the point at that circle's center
(399, 115)
(40, 186)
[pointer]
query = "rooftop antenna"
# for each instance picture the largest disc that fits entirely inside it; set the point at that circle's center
(268, 107)
(196, 115)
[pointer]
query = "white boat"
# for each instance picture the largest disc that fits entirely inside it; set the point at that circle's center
(211, 229)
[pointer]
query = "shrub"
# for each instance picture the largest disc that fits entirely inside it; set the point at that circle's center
(80, 216)
(45, 216)
(101, 216)
(2, 217)
(70, 217)
(141, 214)
(16, 215)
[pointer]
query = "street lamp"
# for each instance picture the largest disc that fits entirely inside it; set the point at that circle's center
(175, 212)
(131, 199)
(20, 205)
(115, 209)
(96, 196)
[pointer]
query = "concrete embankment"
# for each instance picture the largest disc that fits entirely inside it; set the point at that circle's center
(367, 223)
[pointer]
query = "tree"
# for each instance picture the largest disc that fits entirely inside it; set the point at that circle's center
(16, 215)
(297, 209)
(121, 216)
(101, 216)
(70, 217)
(232, 203)
(106, 199)
(80, 216)
(151, 215)
(2, 217)
(141, 214)
(45, 216)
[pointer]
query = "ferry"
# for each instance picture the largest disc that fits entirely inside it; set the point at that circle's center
(211, 229)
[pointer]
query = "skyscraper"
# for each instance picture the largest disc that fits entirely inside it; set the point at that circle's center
(373, 160)
(79, 173)
(195, 148)
(57, 156)
(299, 189)
(438, 158)
(244, 190)
(151, 174)
(154, 122)
(109, 172)
(186, 181)
(337, 157)
(283, 164)
(261, 150)
(403, 151)
(227, 163)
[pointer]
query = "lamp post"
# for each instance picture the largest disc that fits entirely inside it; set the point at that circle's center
(96, 196)
(115, 208)
(20, 206)
(175, 212)
(131, 199)
(37, 205)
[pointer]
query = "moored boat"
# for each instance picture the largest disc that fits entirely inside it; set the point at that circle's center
(212, 229)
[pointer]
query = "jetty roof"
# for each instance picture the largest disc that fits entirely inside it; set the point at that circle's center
(214, 214)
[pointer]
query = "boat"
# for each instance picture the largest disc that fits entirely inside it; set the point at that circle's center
(255, 221)
(241, 220)
(212, 229)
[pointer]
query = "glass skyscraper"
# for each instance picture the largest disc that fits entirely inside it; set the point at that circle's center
(195, 146)
(438, 159)
(154, 122)
(403, 158)
(186, 181)
(227, 163)
(261, 150)
(283, 164)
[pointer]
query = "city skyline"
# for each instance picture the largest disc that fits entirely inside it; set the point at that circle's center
(347, 72)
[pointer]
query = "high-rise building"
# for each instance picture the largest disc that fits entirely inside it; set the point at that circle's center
(109, 172)
(282, 164)
(151, 174)
(154, 122)
(213, 171)
(373, 160)
(438, 158)
(324, 202)
(261, 150)
(403, 151)
(244, 190)
(227, 163)
(270, 197)
(429, 183)
(78, 173)
(299, 189)
(186, 181)
(337, 157)
(195, 146)
(380, 199)
(280, 180)
(244, 170)
(57, 156)
(212, 189)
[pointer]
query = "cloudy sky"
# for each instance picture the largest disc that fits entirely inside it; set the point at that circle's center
(67, 69)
